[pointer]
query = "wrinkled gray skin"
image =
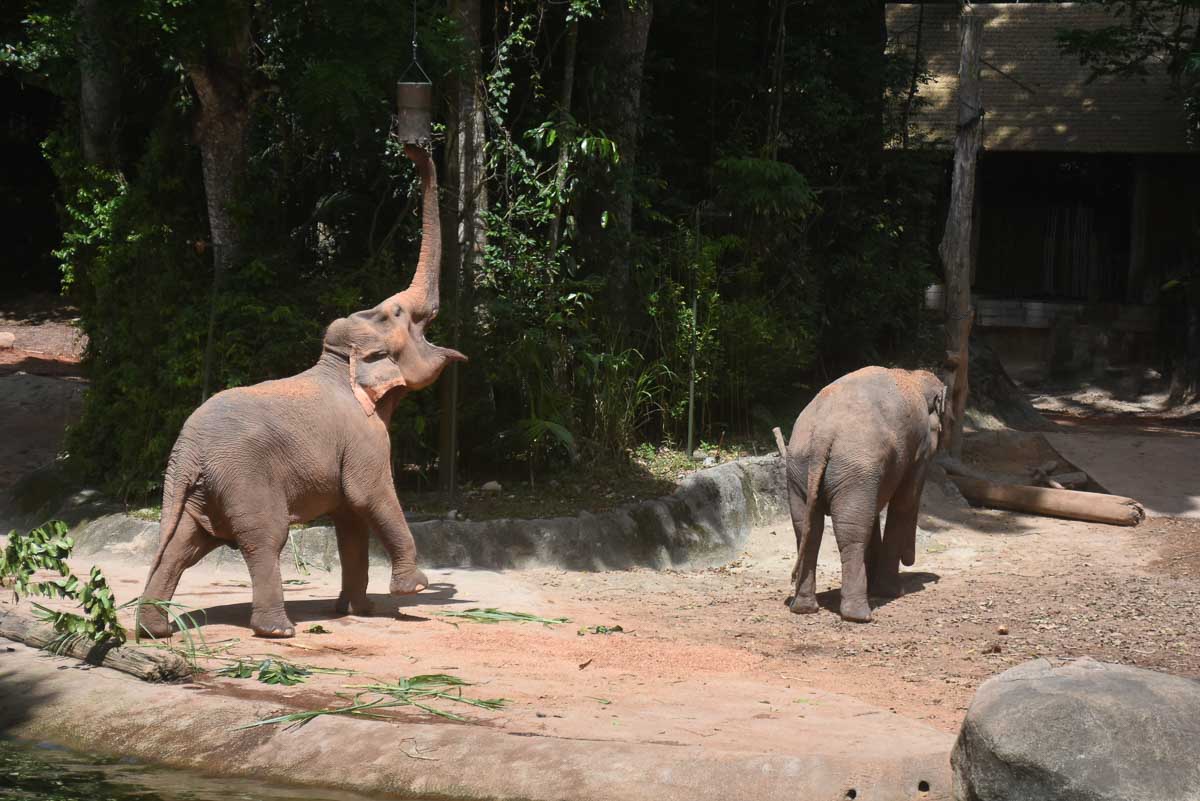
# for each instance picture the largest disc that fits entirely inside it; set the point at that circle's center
(253, 460)
(865, 442)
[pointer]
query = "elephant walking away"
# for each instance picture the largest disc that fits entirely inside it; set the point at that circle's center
(864, 443)
(252, 460)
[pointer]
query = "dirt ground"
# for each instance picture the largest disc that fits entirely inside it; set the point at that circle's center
(713, 656)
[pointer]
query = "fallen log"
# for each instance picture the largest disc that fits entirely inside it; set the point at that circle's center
(1094, 507)
(148, 665)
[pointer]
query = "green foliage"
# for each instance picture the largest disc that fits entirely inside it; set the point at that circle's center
(47, 548)
(418, 691)
(808, 256)
(270, 671)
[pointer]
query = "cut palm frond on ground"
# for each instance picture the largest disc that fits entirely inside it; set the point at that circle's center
(500, 616)
(417, 691)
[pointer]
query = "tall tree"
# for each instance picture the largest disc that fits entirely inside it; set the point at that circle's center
(221, 70)
(99, 82)
(955, 249)
(622, 34)
(465, 207)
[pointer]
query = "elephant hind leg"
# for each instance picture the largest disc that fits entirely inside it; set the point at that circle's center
(804, 574)
(189, 544)
(353, 542)
(261, 540)
(855, 523)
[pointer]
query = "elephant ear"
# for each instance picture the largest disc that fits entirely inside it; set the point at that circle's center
(373, 374)
(935, 396)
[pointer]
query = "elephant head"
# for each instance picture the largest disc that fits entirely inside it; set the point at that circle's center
(385, 346)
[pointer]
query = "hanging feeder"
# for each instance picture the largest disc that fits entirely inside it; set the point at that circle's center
(414, 110)
(414, 100)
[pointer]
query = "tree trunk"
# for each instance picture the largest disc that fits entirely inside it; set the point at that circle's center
(565, 140)
(955, 249)
(467, 190)
(99, 83)
(221, 75)
(623, 48)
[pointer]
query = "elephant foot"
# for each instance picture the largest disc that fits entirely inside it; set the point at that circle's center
(273, 625)
(153, 623)
(348, 606)
(855, 611)
(803, 606)
(409, 583)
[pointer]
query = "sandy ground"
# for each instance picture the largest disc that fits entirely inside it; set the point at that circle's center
(713, 656)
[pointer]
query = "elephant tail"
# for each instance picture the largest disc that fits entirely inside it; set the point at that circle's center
(182, 473)
(818, 460)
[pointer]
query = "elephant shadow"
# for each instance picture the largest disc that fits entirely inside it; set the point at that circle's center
(911, 582)
(310, 610)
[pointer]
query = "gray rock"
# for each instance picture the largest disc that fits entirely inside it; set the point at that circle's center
(492, 486)
(7, 340)
(1083, 731)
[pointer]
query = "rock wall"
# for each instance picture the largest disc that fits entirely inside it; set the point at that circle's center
(708, 516)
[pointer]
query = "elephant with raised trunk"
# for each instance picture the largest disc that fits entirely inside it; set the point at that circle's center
(252, 460)
(864, 443)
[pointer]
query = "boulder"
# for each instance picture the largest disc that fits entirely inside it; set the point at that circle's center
(7, 340)
(1081, 731)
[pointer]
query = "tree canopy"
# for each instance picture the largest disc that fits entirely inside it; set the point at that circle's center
(630, 183)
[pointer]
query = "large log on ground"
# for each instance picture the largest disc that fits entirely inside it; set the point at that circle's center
(149, 665)
(1091, 506)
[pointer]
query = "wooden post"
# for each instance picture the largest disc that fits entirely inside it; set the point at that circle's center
(955, 248)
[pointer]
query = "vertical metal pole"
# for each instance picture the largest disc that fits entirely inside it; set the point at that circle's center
(692, 347)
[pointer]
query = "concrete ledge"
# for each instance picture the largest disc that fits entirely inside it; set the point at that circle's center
(191, 726)
(708, 516)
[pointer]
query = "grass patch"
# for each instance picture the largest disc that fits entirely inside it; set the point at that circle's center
(500, 616)
(418, 691)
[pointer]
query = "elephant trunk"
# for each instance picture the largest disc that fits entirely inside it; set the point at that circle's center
(423, 292)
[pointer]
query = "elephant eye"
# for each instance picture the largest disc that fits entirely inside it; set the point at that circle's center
(399, 310)
(375, 356)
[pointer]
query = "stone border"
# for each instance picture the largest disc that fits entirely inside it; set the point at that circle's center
(707, 516)
(187, 726)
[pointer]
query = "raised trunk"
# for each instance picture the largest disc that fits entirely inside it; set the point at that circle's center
(955, 248)
(99, 83)
(421, 297)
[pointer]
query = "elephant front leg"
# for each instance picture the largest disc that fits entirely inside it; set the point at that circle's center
(187, 545)
(883, 565)
(388, 521)
(353, 553)
(261, 547)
